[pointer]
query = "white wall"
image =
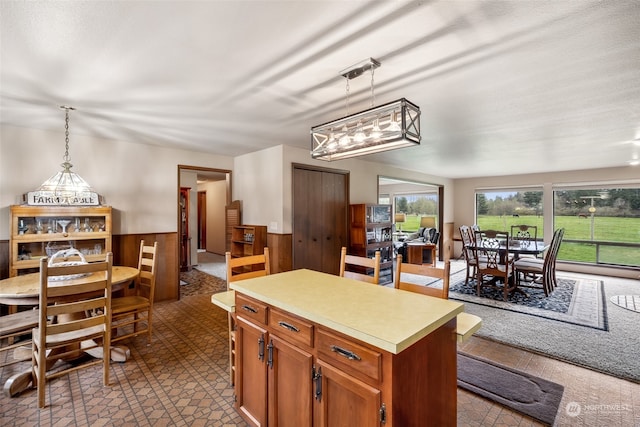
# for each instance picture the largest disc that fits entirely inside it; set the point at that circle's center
(262, 180)
(139, 181)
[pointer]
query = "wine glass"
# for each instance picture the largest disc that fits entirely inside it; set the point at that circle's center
(64, 223)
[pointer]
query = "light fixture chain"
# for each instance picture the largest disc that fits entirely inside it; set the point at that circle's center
(347, 97)
(373, 97)
(66, 135)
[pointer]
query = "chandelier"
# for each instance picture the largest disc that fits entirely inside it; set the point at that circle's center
(386, 127)
(65, 188)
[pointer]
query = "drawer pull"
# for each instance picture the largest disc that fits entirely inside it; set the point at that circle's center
(345, 353)
(288, 326)
(249, 309)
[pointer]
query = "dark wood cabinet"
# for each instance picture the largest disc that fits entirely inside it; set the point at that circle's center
(185, 238)
(371, 230)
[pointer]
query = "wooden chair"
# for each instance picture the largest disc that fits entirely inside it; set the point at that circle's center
(467, 324)
(137, 309)
(13, 326)
(239, 268)
(542, 271)
(525, 234)
(492, 258)
(356, 267)
(468, 240)
(71, 330)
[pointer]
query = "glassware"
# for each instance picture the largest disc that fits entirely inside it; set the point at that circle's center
(64, 223)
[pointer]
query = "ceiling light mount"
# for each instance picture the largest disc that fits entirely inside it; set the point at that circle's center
(360, 68)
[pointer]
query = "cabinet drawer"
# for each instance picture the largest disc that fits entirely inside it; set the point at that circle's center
(291, 328)
(349, 354)
(251, 309)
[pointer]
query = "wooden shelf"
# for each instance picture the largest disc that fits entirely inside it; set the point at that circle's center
(36, 232)
(371, 230)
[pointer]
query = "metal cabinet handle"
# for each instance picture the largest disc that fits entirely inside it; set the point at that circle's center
(317, 379)
(249, 309)
(345, 353)
(270, 354)
(261, 347)
(288, 326)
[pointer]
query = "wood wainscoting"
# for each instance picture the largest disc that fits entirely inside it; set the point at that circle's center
(279, 252)
(125, 252)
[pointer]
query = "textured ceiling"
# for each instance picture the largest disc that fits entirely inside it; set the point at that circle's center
(505, 87)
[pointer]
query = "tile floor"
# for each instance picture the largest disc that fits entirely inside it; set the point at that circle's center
(181, 380)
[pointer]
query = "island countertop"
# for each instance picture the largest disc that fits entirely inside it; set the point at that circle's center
(387, 318)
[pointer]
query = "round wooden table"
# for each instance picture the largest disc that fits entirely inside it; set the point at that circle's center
(25, 290)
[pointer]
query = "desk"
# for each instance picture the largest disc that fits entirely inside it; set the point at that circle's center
(421, 253)
(25, 290)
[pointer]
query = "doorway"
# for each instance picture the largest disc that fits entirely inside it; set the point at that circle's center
(209, 191)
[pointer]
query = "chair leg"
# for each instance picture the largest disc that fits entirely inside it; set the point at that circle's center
(106, 357)
(149, 327)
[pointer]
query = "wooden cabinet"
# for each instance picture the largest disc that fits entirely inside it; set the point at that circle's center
(39, 231)
(371, 230)
(295, 372)
(248, 240)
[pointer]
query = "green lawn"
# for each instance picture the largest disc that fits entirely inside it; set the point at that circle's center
(605, 229)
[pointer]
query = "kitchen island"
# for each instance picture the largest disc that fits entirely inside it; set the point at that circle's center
(318, 349)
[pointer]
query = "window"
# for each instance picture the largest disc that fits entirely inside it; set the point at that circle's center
(500, 209)
(602, 225)
(415, 206)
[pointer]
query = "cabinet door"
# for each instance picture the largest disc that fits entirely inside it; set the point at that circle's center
(290, 385)
(345, 401)
(251, 381)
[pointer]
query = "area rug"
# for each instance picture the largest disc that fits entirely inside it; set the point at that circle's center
(577, 301)
(530, 395)
(195, 282)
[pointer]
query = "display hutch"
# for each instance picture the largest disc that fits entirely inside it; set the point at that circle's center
(371, 230)
(39, 231)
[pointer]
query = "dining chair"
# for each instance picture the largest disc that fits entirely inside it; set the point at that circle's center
(525, 235)
(467, 324)
(541, 271)
(64, 329)
(15, 332)
(492, 258)
(468, 240)
(239, 268)
(358, 267)
(137, 309)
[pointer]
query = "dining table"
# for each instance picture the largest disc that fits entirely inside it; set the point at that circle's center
(516, 248)
(24, 290)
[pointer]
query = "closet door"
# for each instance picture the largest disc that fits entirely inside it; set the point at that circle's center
(320, 215)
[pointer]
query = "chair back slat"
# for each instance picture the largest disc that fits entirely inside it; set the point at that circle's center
(349, 262)
(247, 267)
(425, 271)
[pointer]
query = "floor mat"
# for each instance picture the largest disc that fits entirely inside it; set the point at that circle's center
(532, 396)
